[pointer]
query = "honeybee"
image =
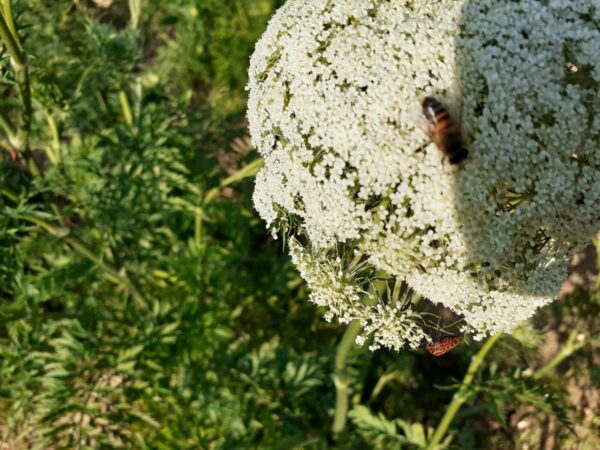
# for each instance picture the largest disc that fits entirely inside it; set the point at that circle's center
(443, 131)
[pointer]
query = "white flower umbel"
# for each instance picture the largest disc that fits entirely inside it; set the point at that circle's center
(337, 286)
(334, 108)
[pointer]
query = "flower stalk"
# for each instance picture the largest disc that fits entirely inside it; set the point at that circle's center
(248, 171)
(135, 10)
(19, 63)
(573, 344)
(340, 377)
(8, 15)
(461, 396)
(9, 37)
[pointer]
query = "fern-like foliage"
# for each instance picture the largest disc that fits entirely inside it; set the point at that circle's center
(398, 434)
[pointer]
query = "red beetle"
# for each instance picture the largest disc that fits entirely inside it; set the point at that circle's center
(443, 345)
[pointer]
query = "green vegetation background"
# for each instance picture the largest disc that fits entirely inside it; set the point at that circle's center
(142, 303)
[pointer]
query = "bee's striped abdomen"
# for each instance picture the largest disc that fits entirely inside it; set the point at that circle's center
(442, 130)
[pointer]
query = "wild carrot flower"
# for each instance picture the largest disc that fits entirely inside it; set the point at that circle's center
(334, 109)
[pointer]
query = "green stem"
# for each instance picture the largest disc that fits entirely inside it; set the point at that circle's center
(249, 170)
(53, 151)
(25, 90)
(127, 117)
(135, 11)
(11, 41)
(8, 194)
(461, 396)
(570, 347)
(6, 126)
(340, 376)
(8, 15)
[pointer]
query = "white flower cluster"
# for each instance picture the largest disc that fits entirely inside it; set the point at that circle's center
(335, 95)
(336, 287)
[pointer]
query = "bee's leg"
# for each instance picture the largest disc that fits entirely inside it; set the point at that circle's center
(421, 148)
